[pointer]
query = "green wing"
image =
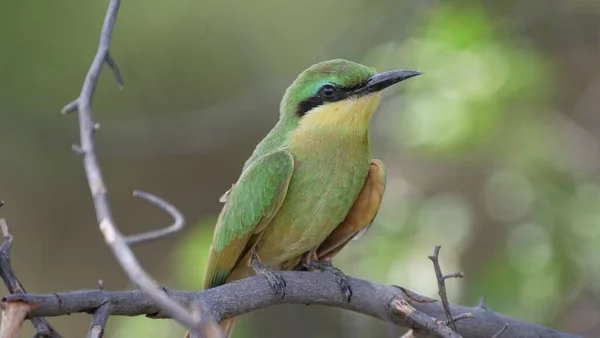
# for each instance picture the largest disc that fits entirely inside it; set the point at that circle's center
(249, 207)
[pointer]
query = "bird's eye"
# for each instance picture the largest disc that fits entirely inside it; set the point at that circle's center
(328, 90)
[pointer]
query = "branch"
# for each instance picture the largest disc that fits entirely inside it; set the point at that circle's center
(117, 242)
(44, 329)
(236, 298)
(13, 316)
(100, 317)
(99, 321)
(441, 280)
(178, 220)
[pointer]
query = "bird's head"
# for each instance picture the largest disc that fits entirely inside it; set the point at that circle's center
(337, 93)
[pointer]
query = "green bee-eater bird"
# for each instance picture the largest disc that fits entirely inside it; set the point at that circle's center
(310, 186)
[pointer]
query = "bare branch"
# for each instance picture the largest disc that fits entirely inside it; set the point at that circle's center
(234, 299)
(441, 280)
(461, 316)
(13, 285)
(453, 275)
(8, 276)
(99, 321)
(178, 220)
(100, 317)
(421, 321)
(210, 330)
(13, 316)
(112, 236)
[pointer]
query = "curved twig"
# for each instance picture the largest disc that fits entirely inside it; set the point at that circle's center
(178, 220)
(86, 150)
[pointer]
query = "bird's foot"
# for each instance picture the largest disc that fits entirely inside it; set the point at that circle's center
(340, 277)
(275, 280)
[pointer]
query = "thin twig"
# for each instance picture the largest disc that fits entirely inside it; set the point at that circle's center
(421, 321)
(112, 236)
(210, 330)
(99, 321)
(14, 286)
(461, 316)
(441, 280)
(102, 56)
(100, 317)
(178, 220)
(8, 276)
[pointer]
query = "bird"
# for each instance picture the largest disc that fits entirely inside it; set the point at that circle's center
(310, 186)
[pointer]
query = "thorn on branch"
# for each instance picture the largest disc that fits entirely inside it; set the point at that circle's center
(482, 304)
(78, 150)
(499, 333)
(110, 62)
(70, 107)
(178, 220)
(441, 280)
(102, 57)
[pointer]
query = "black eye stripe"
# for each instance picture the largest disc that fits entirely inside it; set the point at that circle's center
(339, 94)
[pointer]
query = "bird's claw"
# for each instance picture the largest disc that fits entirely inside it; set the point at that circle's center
(341, 278)
(344, 285)
(275, 280)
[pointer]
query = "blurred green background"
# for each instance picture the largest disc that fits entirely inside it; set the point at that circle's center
(494, 153)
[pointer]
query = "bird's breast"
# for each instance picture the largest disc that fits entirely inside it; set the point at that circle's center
(324, 185)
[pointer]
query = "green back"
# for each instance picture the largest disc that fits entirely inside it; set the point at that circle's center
(250, 205)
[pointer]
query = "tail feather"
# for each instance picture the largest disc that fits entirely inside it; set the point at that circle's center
(226, 325)
(239, 271)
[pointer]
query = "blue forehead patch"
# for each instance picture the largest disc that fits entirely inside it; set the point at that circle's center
(321, 84)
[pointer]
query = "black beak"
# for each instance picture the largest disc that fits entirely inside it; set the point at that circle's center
(383, 80)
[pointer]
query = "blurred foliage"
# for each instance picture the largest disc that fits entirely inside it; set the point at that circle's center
(493, 153)
(472, 78)
(191, 255)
